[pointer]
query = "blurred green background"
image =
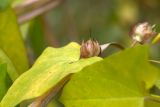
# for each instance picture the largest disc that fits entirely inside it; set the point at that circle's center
(67, 21)
(71, 20)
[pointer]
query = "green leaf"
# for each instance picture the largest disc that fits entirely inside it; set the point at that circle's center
(51, 67)
(36, 37)
(120, 80)
(4, 80)
(3, 69)
(5, 3)
(10, 67)
(11, 41)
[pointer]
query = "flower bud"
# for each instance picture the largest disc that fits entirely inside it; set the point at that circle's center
(142, 32)
(90, 48)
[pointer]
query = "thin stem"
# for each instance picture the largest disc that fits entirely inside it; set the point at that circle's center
(154, 61)
(29, 5)
(38, 11)
(153, 98)
(134, 43)
(43, 100)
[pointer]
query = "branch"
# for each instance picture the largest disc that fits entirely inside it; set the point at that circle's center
(134, 43)
(153, 98)
(154, 61)
(28, 5)
(38, 11)
(43, 100)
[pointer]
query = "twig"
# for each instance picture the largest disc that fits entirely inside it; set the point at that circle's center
(43, 100)
(152, 98)
(133, 43)
(29, 4)
(155, 61)
(38, 11)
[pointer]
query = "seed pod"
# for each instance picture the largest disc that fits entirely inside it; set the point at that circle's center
(89, 49)
(142, 32)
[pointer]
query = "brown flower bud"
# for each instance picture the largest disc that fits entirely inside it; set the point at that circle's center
(90, 48)
(142, 32)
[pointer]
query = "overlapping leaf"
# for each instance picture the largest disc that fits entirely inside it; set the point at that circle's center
(50, 68)
(11, 70)
(11, 41)
(3, 80)
(121, 80)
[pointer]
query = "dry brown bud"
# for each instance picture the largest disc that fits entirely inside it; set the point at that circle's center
(89, 49)
(142, 32)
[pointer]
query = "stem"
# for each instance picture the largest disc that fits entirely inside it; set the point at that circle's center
(134, 43)
(29, 5)
(26, 4)
(154, 61)
(38, 11)
(153, 98)
(43, 100)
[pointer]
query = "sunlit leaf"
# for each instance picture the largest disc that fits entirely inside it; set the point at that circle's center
(11, 41)
(120, 80)
(50, 68)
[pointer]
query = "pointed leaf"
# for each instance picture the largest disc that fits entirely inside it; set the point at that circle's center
(50, 68)
(4, 80)
(11, 41)
(10, 67)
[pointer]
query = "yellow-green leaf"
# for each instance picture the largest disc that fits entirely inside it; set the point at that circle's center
(51, 67)
(10, 67)
(11, 41)
(4, 80)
